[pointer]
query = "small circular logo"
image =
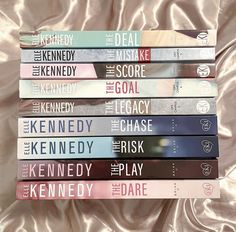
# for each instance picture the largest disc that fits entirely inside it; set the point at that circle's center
(206, 124)
(204, 87)
(206, 146)
(203, 36)
(203, 106)
(208, 189)
(203, 70)
(206, 169)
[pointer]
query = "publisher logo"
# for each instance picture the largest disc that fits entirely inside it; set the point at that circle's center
(206, 169)
(206, 124)
(203, 70)
(203, 107)
(205, 87)
(208, 189)
(203, 37)
(207, 146)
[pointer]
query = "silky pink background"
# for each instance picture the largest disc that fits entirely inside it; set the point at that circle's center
(117, 215)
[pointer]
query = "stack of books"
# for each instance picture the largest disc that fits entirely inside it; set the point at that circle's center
(117, 115)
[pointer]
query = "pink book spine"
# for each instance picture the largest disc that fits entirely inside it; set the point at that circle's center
(135, 189)
(67, 71)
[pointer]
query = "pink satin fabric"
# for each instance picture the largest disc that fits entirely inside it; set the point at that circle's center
(117, 215)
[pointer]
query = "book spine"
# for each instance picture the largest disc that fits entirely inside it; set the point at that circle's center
(142, 88)
(117, 189)
(101, 107)
(113, 70)
(117, 169)
(117, 55)
(118, 147)
(117, 126)
(95, 39)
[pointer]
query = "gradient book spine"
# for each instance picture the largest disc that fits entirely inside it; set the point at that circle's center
(117, 169)
(95, 39)
(117, 126)
(114, 70)
(117, 55)
(118, 147)
(117, 189)
(101, 107)
(114, 88)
